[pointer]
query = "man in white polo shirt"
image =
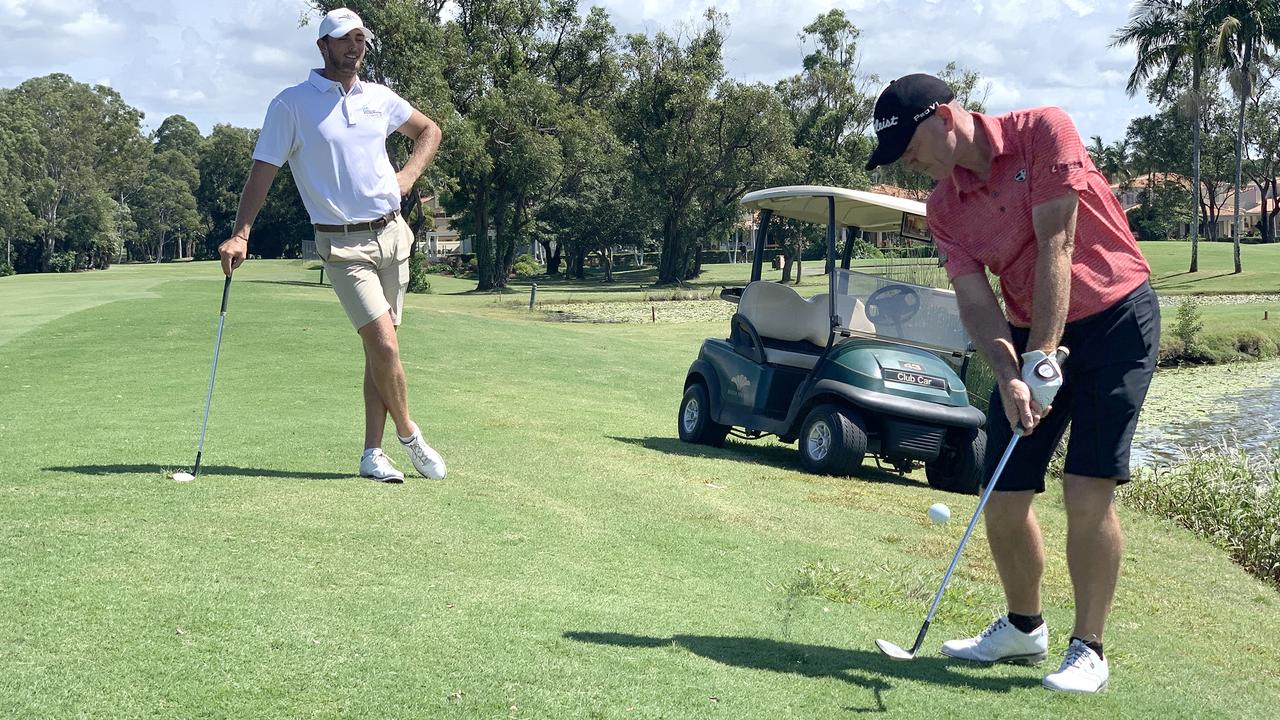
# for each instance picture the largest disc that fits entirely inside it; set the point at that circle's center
(332, 130)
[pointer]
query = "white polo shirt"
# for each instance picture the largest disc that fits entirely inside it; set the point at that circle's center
(336, 146)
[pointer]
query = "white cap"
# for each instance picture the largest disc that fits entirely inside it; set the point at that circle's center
(339, 22)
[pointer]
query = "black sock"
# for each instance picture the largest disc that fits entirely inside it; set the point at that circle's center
(1025, 623)
(1094, 645)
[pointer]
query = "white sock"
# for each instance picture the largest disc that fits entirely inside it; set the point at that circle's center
(370, 451)
(406, 440)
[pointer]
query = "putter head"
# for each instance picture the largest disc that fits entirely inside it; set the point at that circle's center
(183, 477)
(893, 651)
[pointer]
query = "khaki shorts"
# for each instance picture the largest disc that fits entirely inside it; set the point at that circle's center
(369, 269)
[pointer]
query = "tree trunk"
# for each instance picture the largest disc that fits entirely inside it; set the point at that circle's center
(606, 259)
(1195, 165)
(787, 262)
(553, 258)
(1244, 96)
(669, 262)
(1268, 216)
(484, 244)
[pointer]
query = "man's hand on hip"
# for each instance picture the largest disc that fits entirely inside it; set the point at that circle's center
(405, 180)
(233, 253)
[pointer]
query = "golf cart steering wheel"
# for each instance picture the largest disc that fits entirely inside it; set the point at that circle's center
(894, 304)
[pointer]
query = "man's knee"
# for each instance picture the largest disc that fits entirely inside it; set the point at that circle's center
(379, 337)
(1088, 499)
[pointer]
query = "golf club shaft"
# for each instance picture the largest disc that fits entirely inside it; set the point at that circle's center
(217, 345)
(982, 503)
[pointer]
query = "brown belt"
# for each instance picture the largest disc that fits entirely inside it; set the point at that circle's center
(361, 226)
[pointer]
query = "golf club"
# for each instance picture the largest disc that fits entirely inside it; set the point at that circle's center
(217, 344)
(896, 652)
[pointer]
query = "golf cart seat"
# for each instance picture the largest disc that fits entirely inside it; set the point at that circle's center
(793, 330)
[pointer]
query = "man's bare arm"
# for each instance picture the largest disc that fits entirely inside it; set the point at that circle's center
(426, 135)
(236, 248)
(1055, 227)
(986, 325)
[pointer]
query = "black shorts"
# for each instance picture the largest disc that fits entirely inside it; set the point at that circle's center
(1105, 380)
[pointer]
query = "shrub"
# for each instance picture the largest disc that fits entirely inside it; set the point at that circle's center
(526, 267)
(5, 268)
(1188, 324)
(418, 280)
(63, 262)
(1223, 494)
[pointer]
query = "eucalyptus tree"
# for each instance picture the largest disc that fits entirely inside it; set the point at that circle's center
(697, 140)
(93, 148)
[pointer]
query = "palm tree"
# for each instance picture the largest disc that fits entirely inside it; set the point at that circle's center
(1243, 32)
(1171, 35)
(1111, 160)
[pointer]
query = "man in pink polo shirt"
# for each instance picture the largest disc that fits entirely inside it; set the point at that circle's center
(1019, 196)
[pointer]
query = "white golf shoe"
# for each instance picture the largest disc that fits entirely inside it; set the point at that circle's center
(1082, 671)
(1001, 642)
(424, 457)
(375, 464)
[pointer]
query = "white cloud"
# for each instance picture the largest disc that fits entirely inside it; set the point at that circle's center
(91, 24)
(222, 62)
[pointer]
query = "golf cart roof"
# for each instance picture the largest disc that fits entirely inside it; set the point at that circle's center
(854, 208)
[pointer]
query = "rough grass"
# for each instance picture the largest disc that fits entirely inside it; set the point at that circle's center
(1223, 493)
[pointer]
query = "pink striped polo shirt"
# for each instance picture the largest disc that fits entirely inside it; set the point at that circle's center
(1037, 156)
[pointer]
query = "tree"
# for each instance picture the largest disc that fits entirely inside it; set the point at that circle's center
(1262, 126)
(1171, 36)
(1164, 208)
(93, 145)
(529, 79)
(697, 141)
(21, 155)
(1245, 29)
(1111, 160)
(829, 103)
(180, 134)
(165, 208)
(224, 162)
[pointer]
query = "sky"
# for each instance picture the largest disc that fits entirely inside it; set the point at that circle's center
(221, 61)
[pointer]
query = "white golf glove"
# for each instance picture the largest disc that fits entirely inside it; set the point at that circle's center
(1043, 375)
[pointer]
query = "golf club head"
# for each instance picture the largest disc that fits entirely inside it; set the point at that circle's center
(183, 476)
(893, 651)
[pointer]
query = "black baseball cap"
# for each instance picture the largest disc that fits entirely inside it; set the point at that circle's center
(901, 107)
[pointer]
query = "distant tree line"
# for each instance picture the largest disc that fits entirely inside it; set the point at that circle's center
(1211, 68)
(559, 132)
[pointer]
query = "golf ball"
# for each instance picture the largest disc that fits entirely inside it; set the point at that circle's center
(939, 513)
(188, 477)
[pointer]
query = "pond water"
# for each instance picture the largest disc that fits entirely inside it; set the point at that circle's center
(1205, 406)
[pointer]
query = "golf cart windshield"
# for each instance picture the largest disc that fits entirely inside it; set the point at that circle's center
(914, 314)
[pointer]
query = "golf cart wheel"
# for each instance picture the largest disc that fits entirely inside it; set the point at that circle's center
(959, 467)
(695, 423)
(833, 441)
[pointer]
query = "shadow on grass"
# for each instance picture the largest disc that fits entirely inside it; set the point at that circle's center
(865, 668)
(1166, 281)
(297, 283)
(772, 455)
(204, 470)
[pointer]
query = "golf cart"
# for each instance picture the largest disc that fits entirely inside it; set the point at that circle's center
(872, 366)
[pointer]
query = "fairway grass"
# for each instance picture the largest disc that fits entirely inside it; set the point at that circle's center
(579, 561)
